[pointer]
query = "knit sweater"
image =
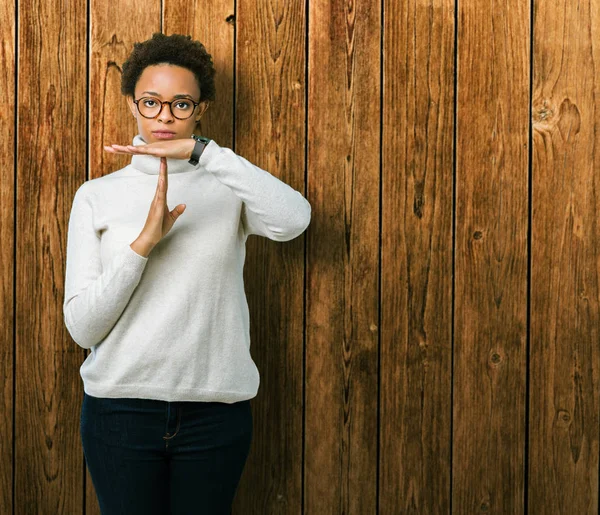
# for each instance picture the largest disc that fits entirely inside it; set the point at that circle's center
(174, 325)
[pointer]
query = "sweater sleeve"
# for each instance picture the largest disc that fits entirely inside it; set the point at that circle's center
(271, 208)
(95, 296)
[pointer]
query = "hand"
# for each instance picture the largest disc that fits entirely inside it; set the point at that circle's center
(160, 219)
(174, 148)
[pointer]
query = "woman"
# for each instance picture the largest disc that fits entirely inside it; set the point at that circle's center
(157, 295)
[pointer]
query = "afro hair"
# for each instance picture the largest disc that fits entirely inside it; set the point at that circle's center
(176, 49)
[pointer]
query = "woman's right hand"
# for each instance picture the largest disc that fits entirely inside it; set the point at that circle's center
(160, 219)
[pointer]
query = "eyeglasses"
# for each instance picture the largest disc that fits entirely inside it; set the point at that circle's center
(181, 108)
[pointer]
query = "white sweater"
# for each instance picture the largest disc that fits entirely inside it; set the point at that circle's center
(172, 326)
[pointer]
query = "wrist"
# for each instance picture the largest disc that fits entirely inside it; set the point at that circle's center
(189, 147)
(200, 143)
(142, 247)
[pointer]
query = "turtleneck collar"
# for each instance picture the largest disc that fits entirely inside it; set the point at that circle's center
(151, 164)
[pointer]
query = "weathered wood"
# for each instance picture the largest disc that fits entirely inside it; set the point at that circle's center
(7, 261)
(416, 258)
(343, 257)
(212, 23)
(565, 258)
(115, 27)
(383, 294)
(490, 312)
(50, 165)
(270, 123)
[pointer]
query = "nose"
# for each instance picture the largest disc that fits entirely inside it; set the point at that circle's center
(165, 114)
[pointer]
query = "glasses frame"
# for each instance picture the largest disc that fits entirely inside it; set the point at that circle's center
(196, 104)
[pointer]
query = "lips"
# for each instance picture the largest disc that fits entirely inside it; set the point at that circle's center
(163, 134)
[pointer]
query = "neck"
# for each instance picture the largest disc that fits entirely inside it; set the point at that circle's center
(151, 164)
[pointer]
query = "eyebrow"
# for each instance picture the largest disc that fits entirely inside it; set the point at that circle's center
(179, 95)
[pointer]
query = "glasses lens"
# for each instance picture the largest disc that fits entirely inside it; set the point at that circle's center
(148, 106)
(182, 108)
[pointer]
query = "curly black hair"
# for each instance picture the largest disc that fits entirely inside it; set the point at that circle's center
(177, 49)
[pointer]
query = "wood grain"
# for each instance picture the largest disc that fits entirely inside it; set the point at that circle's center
(212, 23)
(7, 261)
(490, 312)
(269, 131)
(416, 257)
(50, 165)
(115, 27)
(343, 257)
(563, 437)
(393, 367)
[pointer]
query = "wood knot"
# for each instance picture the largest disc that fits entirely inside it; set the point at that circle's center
(543, 111)
(569, 120)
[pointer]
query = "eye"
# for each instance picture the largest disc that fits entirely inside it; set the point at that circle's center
(149, 102)
(183, 104)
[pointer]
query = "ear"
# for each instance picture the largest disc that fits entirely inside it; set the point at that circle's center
(131, 105)
(202, 109)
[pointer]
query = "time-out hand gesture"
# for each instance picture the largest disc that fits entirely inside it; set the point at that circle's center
(160, 219)
(174, 148)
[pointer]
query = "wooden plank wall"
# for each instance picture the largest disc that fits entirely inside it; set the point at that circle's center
(429, 345)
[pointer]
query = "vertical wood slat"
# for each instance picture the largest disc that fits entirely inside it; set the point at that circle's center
(214, 28)
(51, 144)
(563, 465)
(343, 257)
(416, 263)
(114, 28)
(491, 257)
(7, 261)
(270, 123)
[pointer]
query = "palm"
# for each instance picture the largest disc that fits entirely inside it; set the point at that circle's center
(180, 148)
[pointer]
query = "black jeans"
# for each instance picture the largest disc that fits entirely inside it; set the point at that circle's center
(155, 457)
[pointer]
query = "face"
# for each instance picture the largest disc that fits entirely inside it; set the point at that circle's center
(167, 82)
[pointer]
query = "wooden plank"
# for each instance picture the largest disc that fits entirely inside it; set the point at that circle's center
(563, 439)
(215, 29)
(115, 27)
(491, 257)
(269, 131)
(50, 165)
(7, 262)
(416, 257)
(343, 257)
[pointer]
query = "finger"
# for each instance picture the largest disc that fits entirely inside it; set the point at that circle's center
(120, 150)
(178, 211)
(158, 192)
(131, 149)
(147, 149)
(140, 148)
(159, 203)
(163, 172)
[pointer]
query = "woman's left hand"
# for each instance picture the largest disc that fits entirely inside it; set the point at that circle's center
(173, 148)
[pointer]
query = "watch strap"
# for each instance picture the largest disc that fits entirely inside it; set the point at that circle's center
(201, 143)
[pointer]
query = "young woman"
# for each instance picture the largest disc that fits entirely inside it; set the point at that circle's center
(157, 295)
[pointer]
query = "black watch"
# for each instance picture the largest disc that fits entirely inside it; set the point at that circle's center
(199, 147)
